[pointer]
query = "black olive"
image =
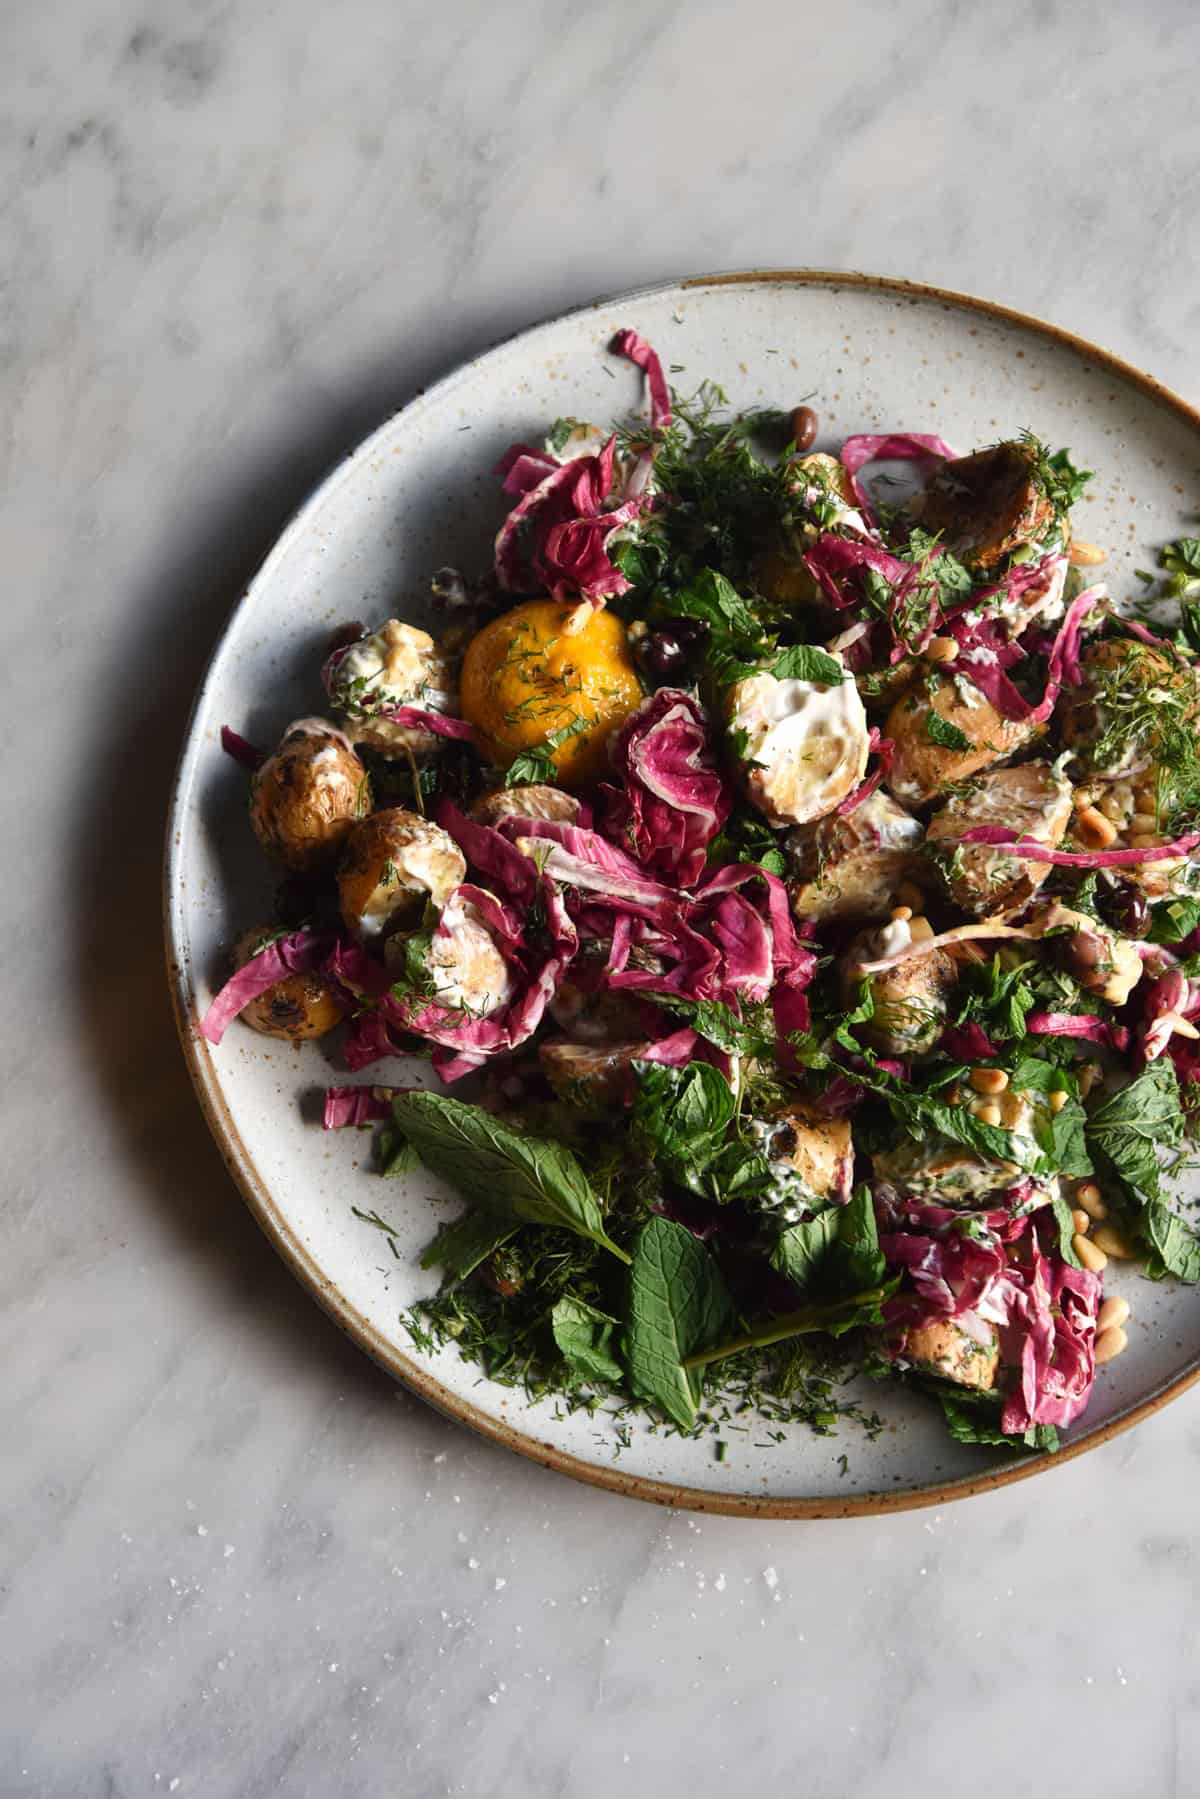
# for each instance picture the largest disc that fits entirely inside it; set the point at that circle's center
(1126, 908)
(804, 423)
(661, 655)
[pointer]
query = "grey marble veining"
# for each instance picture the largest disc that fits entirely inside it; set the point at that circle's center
(235, 1561)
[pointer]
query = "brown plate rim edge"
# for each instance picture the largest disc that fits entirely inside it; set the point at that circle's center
(279, 1231)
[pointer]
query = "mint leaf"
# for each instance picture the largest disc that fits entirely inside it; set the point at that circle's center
(1174, 921)
(1065, 1226)
(803, 1251)
(732, 624)
(680, 1117)
(857, 1258)
(465, 1242)
(804, 662)
(537, 764)
(528, 1180)
(980, 1424)
(942, 731)
(678, 1302)
(1174, 1247)
(1128, 1128)
(583, 1336)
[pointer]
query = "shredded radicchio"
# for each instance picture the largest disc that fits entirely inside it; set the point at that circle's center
(672, 798)
(242, 752)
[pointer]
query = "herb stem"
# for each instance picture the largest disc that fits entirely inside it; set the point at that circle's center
(790, 1324)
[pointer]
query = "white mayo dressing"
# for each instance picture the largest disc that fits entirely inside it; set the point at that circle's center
(466, 968)
(399, 666)
(429, 862)
(810, 743)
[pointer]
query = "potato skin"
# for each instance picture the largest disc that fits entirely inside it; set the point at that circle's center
(922, 769)
(911, 999)
(297, 1008)
(591, 1073)
(1108, 667)
(943, 1348)
(986, 505)
(818, 1148)
(850, 866)
(1030, 800)
(308, 796)
(533, 800)
(394, 862)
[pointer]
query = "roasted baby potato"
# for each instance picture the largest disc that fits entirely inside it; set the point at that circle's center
(981, 879)
(922, 767)
(817, 1149)
(986, 505)
(394, 863)
(533, 800)
(944, 1348)
(803, 746)
(296, 1008)
(397, 665)
(307, 798)
(910, 1000)
(1131, 697)
(851, 866)
(591, 1073)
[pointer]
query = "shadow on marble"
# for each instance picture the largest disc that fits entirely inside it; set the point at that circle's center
(122, 989)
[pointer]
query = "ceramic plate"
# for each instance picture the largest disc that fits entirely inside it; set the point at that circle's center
(877, 355)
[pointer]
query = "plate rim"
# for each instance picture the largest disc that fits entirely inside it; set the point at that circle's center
(254, 1189)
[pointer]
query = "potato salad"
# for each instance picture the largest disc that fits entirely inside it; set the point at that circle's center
(785, 857)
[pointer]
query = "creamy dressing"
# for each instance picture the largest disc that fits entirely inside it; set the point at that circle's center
(466, 967)
(810, 744)
(425, 861)
(396, 666)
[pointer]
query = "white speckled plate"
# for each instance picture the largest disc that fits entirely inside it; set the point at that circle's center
(877, 355)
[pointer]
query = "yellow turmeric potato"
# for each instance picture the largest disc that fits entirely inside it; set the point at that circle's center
(542, 670)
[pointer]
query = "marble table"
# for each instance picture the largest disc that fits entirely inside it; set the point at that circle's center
(237, 1561)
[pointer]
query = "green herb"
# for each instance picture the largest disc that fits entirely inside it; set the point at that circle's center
(832, 1318)
(803, 1250)
(537, 763)
(954, 581)
(979, 1423)
(1174, 921)
(530, 1180)
(465, 1242)
(803, 662)
(1065, 1226)
(1056, 474)
(1128, 1128)
(678, 1302)
(943, 731)
(584, 1335)
(1173, 1246)
(1181, 560)
(753, 1034)
(680, 1117)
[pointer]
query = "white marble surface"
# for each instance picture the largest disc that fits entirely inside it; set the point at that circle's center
(235, 1561)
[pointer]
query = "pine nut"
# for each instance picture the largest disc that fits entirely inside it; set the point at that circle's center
(901, 914)
(1110, 1343)
(1092, 1258)
(987, 1113)
(1112, 1314)
(1013, 1108)
(1094, 828)
(1085, 555)
(988, 1080)
(1111, 806)
(1144, 821)
(1141, 840)
(1088, 1196)
(1058, 1099)
(1114, 1243)
(1082, 1222)
(953, 1095)
(942, 649)
(919, 929)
